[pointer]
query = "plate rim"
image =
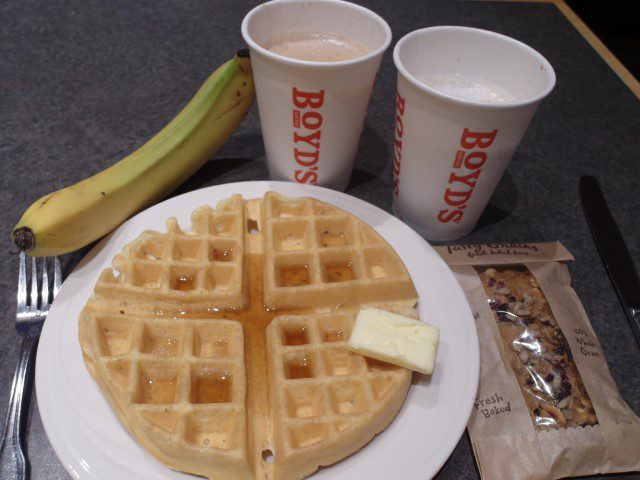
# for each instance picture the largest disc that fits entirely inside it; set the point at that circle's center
(473, 366)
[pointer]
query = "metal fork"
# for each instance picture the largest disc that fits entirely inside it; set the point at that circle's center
(33, 307)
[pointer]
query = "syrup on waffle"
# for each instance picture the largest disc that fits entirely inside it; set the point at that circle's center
(212, 382)
(196, 269)
(318, 255)
(326, 401)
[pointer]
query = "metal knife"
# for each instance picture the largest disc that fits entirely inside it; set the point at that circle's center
(613, 250)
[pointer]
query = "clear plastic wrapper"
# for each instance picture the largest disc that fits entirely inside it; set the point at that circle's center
(537, 348)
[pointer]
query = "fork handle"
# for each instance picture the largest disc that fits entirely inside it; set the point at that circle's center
(13, 461)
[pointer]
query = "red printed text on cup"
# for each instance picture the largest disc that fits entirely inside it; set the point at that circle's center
(397, 158)
(307, 133)
(467, 167)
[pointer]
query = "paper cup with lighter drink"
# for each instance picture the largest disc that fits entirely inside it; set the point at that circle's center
(465, 98)
(314, 64)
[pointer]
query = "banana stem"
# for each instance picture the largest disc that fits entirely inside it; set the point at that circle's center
(24, 238)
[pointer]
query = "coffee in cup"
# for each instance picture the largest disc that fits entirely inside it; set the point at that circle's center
(314, 65)
(317, 47)
(465, 98)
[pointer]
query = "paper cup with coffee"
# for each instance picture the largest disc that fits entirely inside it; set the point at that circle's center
(465, 98)
(314, 65)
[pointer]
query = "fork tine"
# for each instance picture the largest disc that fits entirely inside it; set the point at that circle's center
(44, 288)
(34, 284)
(22, 285)
(57, 276)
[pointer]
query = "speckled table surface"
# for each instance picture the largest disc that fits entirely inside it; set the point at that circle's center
(82, 83)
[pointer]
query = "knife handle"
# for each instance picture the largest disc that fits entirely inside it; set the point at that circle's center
(633, 315)
(613, 250)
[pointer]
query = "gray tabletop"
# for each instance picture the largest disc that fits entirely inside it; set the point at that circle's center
(84, 82)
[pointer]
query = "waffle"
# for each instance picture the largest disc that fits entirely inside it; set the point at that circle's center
(211, 382)
(326, 401)
(198, 269)
(177, 385)
(317, 254)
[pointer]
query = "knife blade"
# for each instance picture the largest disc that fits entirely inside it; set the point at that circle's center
(613, 251)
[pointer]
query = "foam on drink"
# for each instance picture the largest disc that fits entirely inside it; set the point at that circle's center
(468, 88)
(317, 47)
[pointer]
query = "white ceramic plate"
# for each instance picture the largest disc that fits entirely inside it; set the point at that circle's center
(92, 444)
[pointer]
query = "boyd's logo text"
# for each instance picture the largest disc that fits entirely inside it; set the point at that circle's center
(307, 133)
(461, 183)
(397, 159)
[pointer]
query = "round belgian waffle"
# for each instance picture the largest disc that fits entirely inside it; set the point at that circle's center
(223, 349)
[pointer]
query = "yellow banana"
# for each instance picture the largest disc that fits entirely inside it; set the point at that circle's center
(70, 218)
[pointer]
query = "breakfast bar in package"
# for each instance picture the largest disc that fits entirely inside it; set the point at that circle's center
(547, 406)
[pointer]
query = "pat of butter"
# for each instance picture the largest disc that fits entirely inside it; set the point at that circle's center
(395, 339)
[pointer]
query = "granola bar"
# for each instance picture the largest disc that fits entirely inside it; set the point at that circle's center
(537, 349)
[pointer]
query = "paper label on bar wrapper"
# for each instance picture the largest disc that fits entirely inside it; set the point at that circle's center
(504, 253)
(547, 406)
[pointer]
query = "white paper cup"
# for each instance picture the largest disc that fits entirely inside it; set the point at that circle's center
(312, 113)
(450, 153)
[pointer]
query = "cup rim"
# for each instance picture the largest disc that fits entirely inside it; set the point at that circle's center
(550, 72)
(306, 63)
